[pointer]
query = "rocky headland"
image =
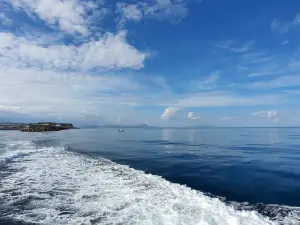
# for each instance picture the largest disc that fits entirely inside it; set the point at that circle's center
(37, 127)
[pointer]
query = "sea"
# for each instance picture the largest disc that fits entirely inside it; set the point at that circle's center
(151, 176)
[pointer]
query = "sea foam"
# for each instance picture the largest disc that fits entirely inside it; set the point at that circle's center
(56, 186)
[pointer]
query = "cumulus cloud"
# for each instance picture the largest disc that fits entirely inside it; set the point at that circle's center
(70, 65)
(129, 12)
(63, 73)
(69, 15)
(95, 49)
(111, 51)
(270, 115)
(169, 112)
(191, 116)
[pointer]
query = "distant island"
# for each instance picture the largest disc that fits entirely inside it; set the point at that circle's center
(117, 126)
(37, 127)
(128, 126)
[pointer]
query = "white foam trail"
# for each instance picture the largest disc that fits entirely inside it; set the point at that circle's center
(8, 154)
(54, 186)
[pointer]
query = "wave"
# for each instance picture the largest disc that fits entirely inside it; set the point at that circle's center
(52, 185)
(13, 151)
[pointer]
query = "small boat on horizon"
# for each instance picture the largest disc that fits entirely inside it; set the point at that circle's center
(120, 130)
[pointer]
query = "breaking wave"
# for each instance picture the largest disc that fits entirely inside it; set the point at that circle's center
(52, 185)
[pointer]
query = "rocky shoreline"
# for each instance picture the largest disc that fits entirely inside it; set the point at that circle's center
(37, 127)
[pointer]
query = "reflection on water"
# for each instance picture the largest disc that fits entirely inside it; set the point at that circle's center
(274, 137)
(167, 135)
(191, 133)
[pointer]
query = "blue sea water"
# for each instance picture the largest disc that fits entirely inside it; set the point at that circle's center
(151, 176)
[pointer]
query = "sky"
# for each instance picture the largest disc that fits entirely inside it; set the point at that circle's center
(155, 62)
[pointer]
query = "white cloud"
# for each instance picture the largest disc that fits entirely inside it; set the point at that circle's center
(77, 95)
(169, 112)
(77, 17)
(129, 12)
(259, 74)
(267, 114)
(260, 63)
(295, 63)
(172, 10)
(254, 55)
(297, 19)
(111, 51)
(191, 116)
(4, 20)
(279, 82)
(292, 92)
(69, 15)
(219, 99)
(9, 108)
(242, 68)
(227, 118)
(279, 26)
(266, 69)
(161, 82)
(209, 82)
(276, 67)
(40, 92)
(63, 73)
(256, 58)
(283, 27)
(42, 74)
(58, 78)
(270, 115)
(233, 46)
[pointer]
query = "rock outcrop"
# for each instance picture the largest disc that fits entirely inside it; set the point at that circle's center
(44, 127)
(12, 126)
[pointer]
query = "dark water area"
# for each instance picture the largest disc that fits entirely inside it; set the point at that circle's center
(248, 168)
(253, 165)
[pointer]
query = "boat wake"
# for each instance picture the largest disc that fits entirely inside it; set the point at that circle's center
(53, 185)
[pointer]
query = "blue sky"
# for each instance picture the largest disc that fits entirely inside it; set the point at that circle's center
(160, 62)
